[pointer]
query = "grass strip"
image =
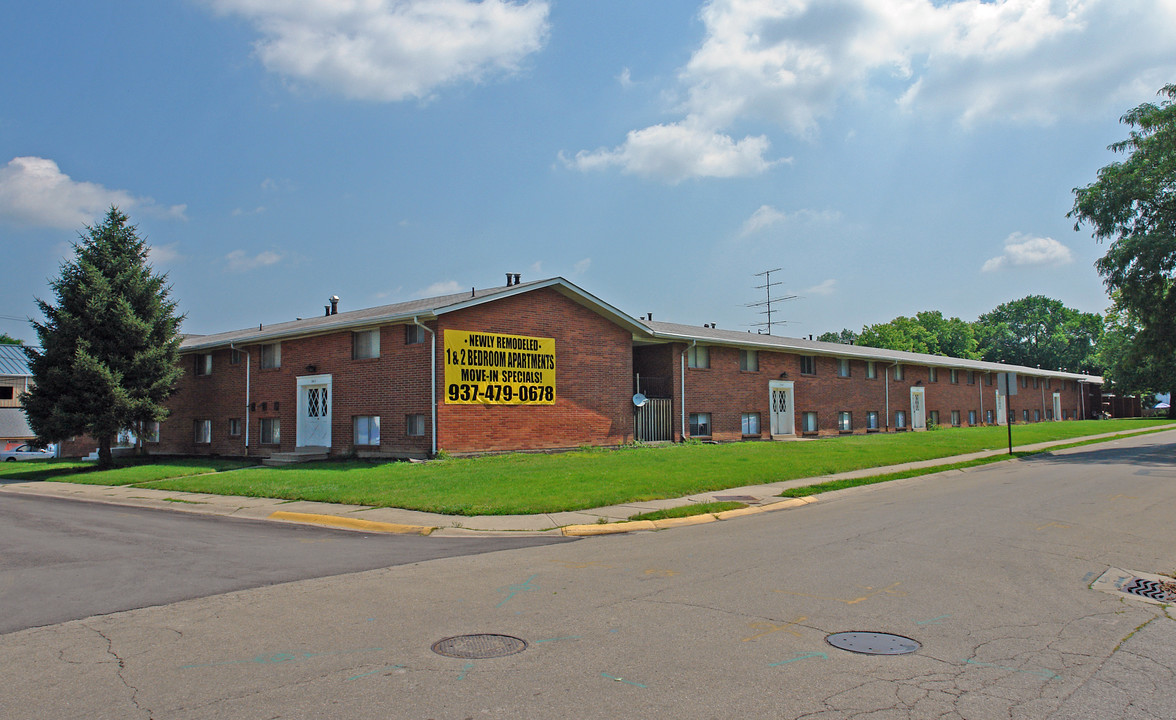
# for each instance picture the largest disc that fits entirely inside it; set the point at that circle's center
(682, 511)
(842, 484)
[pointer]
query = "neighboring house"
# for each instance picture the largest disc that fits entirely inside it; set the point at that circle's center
(546, 365)
(15, 379)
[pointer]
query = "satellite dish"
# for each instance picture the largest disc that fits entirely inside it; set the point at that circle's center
(639, 400)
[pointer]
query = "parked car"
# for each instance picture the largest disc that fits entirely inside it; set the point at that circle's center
(25, 452)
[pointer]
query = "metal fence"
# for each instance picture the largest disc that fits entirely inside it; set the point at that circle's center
(653, 421)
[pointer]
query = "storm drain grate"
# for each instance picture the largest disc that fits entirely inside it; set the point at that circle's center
(479, 647)
(873, 643)
(1164, 592)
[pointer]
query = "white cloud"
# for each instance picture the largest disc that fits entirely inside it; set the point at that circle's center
(34, 191)
(389, 50)
(581, 267)
(239, 261)
(823, 289)
(673, 153)
(625, 78)
(442, 287)
(767, 216)
(1021, 250)
(792, 62)
(164, 254)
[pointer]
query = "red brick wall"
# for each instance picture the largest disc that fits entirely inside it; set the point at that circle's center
(594, 377)
(726, 392)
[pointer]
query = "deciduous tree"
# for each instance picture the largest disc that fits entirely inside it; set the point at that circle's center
(1037, 331)
(1133, 204)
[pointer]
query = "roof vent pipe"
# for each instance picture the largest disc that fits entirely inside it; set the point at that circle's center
(517, 278)
(651, 316)
(508, 278)
(326, 310)
(334, 304)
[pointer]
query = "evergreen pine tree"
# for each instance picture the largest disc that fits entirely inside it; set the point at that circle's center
(109, 347)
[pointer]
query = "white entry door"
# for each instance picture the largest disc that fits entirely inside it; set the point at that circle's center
(1057, 403)
(314, 411)
(783, 414)
(918, 408)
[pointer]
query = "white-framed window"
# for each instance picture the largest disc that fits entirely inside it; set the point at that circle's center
(365, 344)
(808, 365)
(700, 424)
(271, 356)
(971, 417)
(204, 364)
(842, 367)
(872, 420)
(934, 417)
(367, 429)
(845, 421)
(871, 369)
(698, 356)
(414, 425)
(900, 419)
(749, 360)
(898, 372)
(151, 432)
(933, 374)
(955, 418)
(202, 431)
(751, 423)
(234, 357)
(1036, 383)
(1049, 383)
(234, 427)
(989, 416)
(955, 376)
(971, 377)
(271, 431)
(808, 422)
(1036, 416)
(414, 334)
(1049, 414)
(1025, 415)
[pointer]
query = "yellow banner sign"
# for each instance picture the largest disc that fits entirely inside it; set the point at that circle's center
(493, 369)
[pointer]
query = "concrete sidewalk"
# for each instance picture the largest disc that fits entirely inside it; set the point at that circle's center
(597, 521)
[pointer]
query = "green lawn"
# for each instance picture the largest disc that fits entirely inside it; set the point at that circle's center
(540, 483)
(128, 471)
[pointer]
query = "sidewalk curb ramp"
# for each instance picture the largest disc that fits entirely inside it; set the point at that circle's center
(645, 525)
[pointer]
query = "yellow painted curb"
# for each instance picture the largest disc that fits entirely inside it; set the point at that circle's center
(789, 503)
(728, 514)
(677, 522)
(351, 523)
(608, 528)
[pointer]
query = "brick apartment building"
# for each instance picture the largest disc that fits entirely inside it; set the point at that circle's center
(546, 365)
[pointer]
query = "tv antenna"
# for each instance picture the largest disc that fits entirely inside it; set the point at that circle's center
(767, 303)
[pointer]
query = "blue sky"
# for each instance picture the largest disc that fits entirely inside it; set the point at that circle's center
(890, 156)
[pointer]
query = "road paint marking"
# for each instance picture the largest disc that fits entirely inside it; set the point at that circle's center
(769, 628)
(621, 680)
(1043, 673)
(662, 573)
(1055, 525)
(933, 621)
(570, 637)
(516, 589)
(465, 670)
(799, 657)
(377, 672)
(888, 590)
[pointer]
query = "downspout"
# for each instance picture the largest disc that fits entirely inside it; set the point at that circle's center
(248, 362)
(432, 379)
(683, 408)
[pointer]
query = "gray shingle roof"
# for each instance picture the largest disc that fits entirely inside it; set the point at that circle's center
(673, 331)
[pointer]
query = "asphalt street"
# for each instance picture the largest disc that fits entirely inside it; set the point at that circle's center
(65, 560)
(992, 571)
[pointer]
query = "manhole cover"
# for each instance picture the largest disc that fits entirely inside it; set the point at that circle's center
(479, 647)
(873, 643)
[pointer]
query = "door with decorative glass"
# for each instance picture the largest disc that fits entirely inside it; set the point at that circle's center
(314, 411)
(783, 414)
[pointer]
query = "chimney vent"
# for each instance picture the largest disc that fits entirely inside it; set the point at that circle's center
(326, 311)
(518, 278)
(334, 304)
(508, 278)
